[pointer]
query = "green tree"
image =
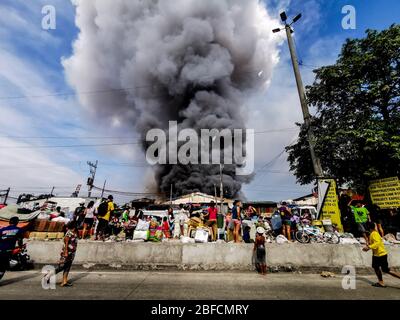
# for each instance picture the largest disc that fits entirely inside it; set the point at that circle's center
(357, 120)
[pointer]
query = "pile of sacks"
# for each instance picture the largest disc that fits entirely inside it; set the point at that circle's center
(148, 231)
(142, 231)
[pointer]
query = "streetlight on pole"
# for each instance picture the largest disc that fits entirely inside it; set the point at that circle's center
(303, 101)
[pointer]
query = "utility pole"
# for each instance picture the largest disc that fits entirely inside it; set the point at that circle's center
(303, 100)
(221, 187)
(90, 181)
(170, 195)
(6, 195)
(102, 191)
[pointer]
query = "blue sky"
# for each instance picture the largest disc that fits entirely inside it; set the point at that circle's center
(31, 72)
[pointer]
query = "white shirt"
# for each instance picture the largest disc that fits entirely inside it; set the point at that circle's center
(89, 213)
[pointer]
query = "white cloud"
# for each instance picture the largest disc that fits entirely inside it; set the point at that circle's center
(31, 168)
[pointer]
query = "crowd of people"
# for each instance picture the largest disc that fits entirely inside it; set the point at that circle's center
(104, 219)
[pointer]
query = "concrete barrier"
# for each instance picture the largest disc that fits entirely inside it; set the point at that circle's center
(209, 256)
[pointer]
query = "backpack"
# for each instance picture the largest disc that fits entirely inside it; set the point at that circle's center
(102, 209)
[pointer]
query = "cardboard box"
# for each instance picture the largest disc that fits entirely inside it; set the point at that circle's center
(52, 226)
(41, 225)
(59, 227)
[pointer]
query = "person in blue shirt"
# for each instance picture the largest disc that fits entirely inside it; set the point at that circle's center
(9, 236)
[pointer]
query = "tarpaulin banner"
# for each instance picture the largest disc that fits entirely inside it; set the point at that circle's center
(328, 203)
(385, 192)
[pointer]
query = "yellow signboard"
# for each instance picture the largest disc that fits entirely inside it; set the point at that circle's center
(385, 192)
(330, 209)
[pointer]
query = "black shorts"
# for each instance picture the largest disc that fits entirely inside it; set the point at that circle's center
(361, 227)
(64, 265)
(89, 222)
(381, 262)
(102, 226)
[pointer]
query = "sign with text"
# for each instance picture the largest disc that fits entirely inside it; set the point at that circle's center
(330, 202)
(385, 192)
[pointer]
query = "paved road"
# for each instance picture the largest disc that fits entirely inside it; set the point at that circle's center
(193, 285)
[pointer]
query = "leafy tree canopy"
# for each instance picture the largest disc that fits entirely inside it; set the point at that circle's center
(357, 121)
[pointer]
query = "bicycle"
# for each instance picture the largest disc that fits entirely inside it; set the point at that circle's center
(307, 234)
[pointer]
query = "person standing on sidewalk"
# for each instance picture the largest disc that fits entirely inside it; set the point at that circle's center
(67, 254)
(259, 249)
(379, 255)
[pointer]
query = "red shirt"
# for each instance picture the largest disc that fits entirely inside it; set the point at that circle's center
(165, 226)
(212, 213)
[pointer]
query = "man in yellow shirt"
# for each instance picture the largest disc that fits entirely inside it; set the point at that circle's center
(102, 227)
(379, 255)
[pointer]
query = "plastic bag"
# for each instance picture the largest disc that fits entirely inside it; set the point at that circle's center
(201, 236)
(140, 235)
(187, 240)
(142, 225)
(281, 239)
(276, 221)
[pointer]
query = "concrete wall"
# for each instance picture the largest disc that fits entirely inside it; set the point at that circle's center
(210, 256)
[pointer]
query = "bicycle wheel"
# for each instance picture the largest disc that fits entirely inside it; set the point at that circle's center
(302, 237)
(331, 237)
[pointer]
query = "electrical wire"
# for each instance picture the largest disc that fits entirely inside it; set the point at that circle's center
(116, 137)
(72, 146)
(102, 91)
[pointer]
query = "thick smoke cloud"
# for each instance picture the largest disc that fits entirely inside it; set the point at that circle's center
(186, 60)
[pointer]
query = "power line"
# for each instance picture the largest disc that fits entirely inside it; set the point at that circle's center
(72, 146)
(124, 137)
(127, 193)
(122, 90)
(47, 187)
(115, 144)
(270, 162)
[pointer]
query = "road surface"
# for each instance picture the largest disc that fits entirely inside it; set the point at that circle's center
(193, 285)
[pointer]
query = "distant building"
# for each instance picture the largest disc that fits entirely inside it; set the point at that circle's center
(141, 203)
(264, 208)
(201, 199)
(67, 204)
(307, 200)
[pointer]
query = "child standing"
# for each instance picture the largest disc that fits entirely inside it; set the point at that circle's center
(165, 228)
(379, 255)
(67, 255)
(259, 249)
